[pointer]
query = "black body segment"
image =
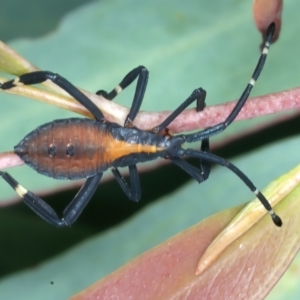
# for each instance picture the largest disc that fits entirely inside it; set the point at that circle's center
(82, 148)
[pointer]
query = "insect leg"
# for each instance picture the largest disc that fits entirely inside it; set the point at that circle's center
(142, 74)
(190, 169)
(45, 211)
(41, 76)
(82, 198)
(134, 191)
(198, 94)
(205, 165)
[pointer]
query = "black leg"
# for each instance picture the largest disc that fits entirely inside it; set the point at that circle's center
(221, 161)
(45, 211)
(191, 170)
(200, 174)
(205, 165)
(198, 94)
(222, 126)
(142, 74)
(134, 191)
(203, 173)
(81, 199)
(41, 76)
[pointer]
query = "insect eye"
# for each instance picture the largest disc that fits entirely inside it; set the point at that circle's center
(70, 150)
(51, 150)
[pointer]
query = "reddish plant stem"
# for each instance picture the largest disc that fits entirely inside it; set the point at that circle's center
(191, 120)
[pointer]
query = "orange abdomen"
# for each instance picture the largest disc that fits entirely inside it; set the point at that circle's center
(75, 148)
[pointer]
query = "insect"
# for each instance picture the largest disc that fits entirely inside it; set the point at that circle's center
(84, 148)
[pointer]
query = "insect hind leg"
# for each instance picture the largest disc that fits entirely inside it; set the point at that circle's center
(41, 76)
(45, 211)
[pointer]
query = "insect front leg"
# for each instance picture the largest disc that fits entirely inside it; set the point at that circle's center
(190, 169)
(45, 211)
(205, 166)
(198, 95)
